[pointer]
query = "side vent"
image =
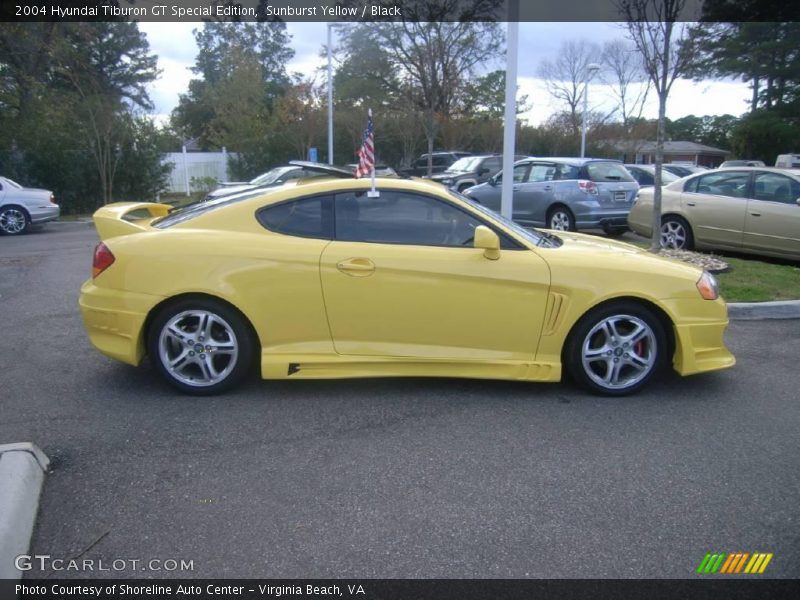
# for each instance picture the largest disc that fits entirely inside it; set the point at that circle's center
(554, 313)
(293, 368)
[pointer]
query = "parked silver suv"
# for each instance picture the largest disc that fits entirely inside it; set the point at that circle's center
(566, 194)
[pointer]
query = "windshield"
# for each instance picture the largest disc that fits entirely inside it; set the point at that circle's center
(531, 235)
(270, 176)
(607, 171)
(466, 164)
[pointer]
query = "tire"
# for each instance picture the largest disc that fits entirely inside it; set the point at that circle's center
(601, 347)
(13, 220)
(560, 218)
(676, 233)
(201, 346)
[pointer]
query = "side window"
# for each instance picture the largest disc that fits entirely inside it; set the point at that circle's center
(520, 173)
(776, 188)
(402, 218)
(493, 164)
(643, 177)
(541, 172)
(421, 163)
(691, 185)
(440, 161)
(568, 172)
(309, 217)
(724, 183)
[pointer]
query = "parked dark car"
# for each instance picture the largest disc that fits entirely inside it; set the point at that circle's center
(471, 170)
(645, 175)
(566, 194)
(440, 161)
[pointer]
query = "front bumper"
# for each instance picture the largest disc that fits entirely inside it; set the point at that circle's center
(699, 342)
(43, 214)
(114, 320)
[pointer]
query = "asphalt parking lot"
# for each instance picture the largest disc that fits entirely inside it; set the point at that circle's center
(392, 478)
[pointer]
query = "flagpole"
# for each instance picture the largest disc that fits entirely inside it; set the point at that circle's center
(373, 193)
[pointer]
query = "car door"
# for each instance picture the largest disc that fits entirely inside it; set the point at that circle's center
(539, 190)
(715, 205)
(772, 222)
(402, 279)
(2, 192)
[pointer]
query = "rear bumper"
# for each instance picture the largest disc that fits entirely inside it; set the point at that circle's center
(43, 214)
(114, 320)
(602, 219)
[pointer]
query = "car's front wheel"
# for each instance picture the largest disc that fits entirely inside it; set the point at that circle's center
(616, 349)
(13, 220)
(201, 346)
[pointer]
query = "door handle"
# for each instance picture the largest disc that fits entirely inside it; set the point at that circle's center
(356, 267)
(755, 214)
(515, 188)
(690, 204)
(548, 188)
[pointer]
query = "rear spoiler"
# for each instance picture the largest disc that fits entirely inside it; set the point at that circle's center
(125, 218)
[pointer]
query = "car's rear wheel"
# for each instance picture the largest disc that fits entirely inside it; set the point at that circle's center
(560, 218)
(616, 349)
(201, 346)
(676, 233)
(13, 220)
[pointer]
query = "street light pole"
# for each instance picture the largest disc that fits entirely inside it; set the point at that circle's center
(591, 69)
(330, 96)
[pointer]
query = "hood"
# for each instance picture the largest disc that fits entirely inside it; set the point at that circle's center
(590, 249)
(448, 175)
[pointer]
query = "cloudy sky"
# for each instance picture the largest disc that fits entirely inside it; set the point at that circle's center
(176, 49)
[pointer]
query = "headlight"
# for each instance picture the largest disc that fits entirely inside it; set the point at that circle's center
(707, 286)
(447, 182)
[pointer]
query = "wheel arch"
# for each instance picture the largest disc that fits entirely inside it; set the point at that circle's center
(21, 207)
(658, 311)
(166, 302)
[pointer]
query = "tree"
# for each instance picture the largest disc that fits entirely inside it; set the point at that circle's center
(431, 60)
(624, 74)
(565, 76)
(108, 66)
(252, 54)
(652, 28)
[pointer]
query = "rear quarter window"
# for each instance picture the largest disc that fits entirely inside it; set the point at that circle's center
(308, 217)
(607, 171)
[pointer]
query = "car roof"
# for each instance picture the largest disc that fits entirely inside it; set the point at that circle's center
(571, 160)
(331, 170)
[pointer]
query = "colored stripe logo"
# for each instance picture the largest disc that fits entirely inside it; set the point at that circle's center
(734, 563)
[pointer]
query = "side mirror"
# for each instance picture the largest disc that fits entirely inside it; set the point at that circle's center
(488, 240)
(798, 201)
(495, 179)
(483, 171)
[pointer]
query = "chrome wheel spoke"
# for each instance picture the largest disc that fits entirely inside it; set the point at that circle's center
(619, 351)
(198, 348)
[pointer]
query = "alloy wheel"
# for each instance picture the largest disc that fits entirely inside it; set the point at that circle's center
(12, 221)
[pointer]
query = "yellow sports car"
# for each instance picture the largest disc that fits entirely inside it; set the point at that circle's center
(324, 278)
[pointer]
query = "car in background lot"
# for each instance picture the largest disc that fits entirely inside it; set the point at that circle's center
(746, 209)
(21, 207)
(742, 163)
(646, 175)
(788, 161)
(682, 170)
(566, 194)
(440, 161)
(470, 170)
(380, 170)
(296, 169)
(323, 279)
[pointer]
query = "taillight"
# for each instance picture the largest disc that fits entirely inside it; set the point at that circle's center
(102, 259)
(588, 187)
(52, 198)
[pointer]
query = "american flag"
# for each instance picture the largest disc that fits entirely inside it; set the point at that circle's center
(366, 154)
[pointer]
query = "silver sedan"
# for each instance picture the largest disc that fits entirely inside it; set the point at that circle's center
(21, 207)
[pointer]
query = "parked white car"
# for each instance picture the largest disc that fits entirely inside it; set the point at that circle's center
(21, 207)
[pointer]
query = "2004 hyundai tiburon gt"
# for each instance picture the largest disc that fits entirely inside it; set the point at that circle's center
(321, 279)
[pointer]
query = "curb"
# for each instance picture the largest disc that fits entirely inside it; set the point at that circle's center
(22, 470)
(752, 311)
